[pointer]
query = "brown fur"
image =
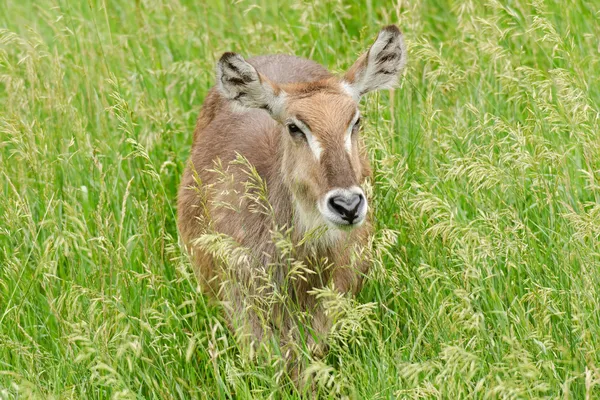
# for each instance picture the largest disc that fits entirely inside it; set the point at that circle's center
(222, 132)
(293, 177)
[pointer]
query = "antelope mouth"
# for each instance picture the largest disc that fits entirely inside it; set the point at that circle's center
(344, 208)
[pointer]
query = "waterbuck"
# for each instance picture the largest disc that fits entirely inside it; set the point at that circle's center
(277, 154)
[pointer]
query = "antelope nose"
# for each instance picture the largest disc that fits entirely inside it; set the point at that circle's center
(347, 206)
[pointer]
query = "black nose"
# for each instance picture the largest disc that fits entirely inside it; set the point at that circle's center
(346, 206)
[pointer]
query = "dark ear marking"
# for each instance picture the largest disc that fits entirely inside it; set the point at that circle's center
(389, 57)
(391, 29)
(236, 81)
(389, 42)
(388, 71)
(232, 67)
(239, 96)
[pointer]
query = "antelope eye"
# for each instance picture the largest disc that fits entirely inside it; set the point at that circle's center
(294, 130)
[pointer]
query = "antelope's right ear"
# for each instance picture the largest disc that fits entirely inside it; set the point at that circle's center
(379, 67)
(241, 83)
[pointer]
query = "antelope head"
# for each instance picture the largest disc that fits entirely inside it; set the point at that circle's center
(323, 161)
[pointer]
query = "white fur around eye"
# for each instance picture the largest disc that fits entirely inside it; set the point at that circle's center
(348, 142)
(313, 142)
(348, 137)
(314, 145)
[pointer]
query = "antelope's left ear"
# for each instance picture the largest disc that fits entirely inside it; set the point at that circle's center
(379, 67)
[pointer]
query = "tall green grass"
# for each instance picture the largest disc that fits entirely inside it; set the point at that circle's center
(485, 282)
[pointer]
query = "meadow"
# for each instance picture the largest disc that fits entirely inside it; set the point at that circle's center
(486, 273)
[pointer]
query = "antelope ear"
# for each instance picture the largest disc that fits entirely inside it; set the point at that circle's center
(241, 83)
(379, 67)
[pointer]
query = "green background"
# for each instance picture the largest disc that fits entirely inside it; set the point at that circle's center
(486, 159)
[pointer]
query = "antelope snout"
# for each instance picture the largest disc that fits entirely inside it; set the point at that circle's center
(344, 207)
